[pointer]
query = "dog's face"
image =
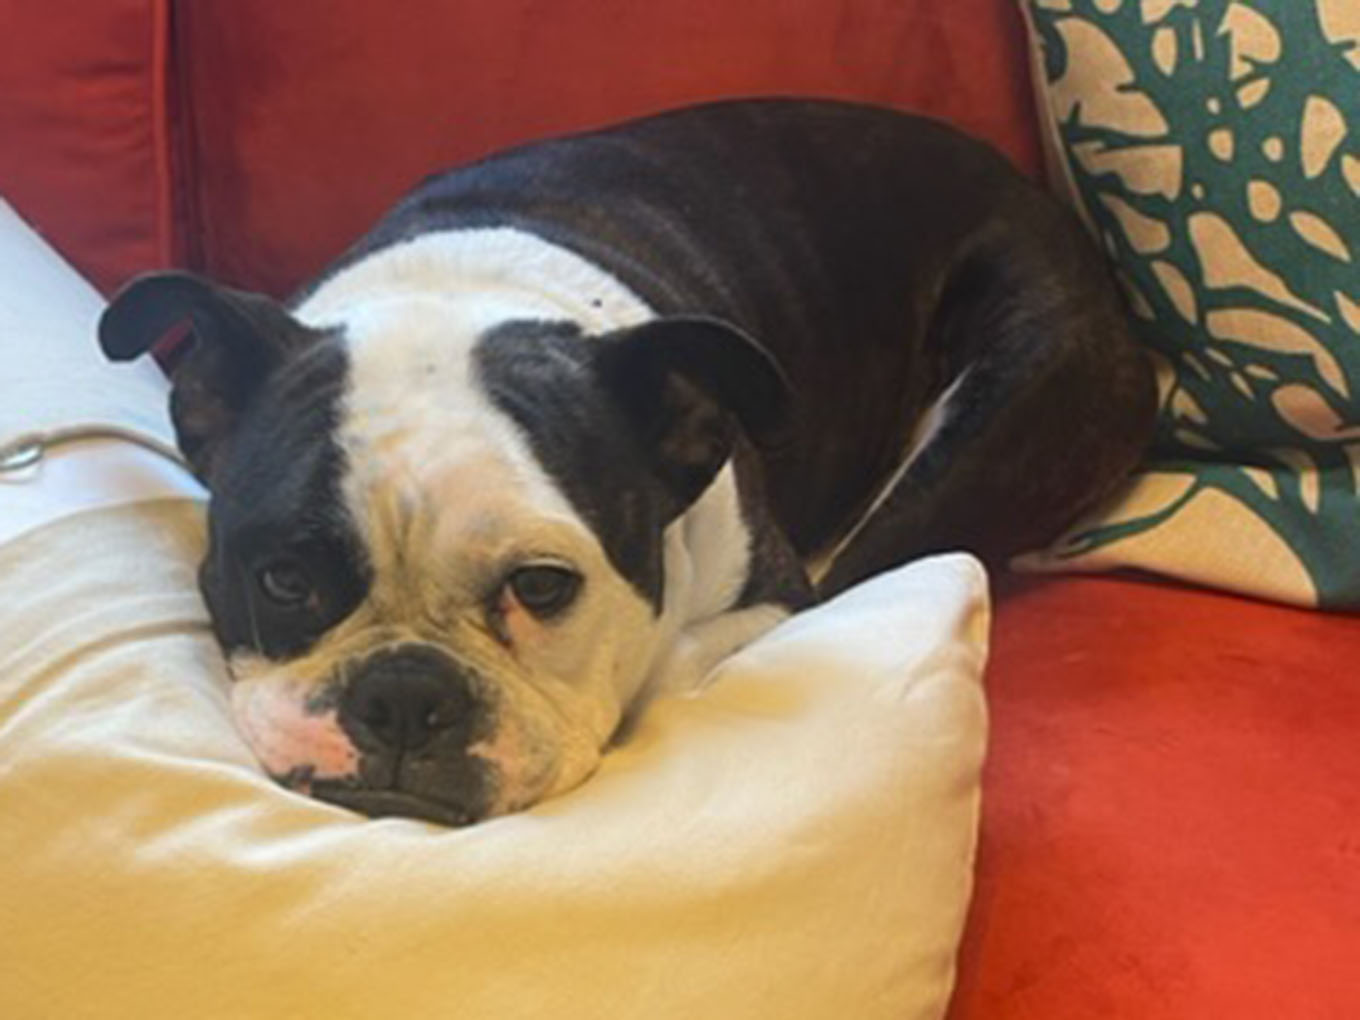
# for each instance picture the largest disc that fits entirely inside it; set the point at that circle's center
(437, 536)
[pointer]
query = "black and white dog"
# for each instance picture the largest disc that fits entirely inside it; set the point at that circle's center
(573, 423)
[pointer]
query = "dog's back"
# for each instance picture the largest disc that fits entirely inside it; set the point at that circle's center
(887, 262)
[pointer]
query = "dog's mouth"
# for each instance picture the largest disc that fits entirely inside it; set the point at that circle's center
(391, 803)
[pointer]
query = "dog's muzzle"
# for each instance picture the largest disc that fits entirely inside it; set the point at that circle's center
(412, 712)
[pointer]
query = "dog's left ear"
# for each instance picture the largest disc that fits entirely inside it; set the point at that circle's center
(238, 340)
(687, 384)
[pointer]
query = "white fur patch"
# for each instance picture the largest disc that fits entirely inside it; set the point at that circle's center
(707, 563)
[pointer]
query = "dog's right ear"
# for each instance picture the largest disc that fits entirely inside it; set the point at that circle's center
(685, 383)
(238, 340)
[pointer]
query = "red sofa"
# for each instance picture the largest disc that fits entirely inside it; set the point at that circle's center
(1172, 812)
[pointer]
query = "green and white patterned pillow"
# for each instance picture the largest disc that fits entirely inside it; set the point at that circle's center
(1214, 147)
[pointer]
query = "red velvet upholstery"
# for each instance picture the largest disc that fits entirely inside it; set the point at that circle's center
(1171, 822)
(311, 116)
(83, 149)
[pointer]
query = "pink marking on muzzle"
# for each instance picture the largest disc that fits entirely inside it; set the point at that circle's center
(286, 738)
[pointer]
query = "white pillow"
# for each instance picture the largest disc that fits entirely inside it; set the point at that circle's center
(796, 841)
(52, 376)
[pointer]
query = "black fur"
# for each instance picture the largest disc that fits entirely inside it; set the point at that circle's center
(239, 339)
(875, 255)
(634, 425)
(255, 403)
(540, 374)
(277, 496)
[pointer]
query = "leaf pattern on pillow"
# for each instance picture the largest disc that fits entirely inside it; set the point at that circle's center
(1214, 147)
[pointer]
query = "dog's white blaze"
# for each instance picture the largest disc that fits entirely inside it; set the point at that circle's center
(927, 428)
(445, 490)
(489, 266)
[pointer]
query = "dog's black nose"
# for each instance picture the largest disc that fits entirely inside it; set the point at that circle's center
(404, 696)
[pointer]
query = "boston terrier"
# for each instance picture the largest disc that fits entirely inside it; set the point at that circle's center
(574, 422)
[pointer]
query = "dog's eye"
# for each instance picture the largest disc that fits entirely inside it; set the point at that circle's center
(285, 584)
(544, 589)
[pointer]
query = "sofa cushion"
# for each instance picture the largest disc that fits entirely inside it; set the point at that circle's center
(1213, 147)
(84, 153)
(311, 117)
(1171, 827)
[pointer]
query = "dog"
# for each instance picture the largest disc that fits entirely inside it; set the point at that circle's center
(576, 421)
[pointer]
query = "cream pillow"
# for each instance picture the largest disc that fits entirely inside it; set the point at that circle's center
(796, 841)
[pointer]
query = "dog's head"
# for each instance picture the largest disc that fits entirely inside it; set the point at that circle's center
(437, 542)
